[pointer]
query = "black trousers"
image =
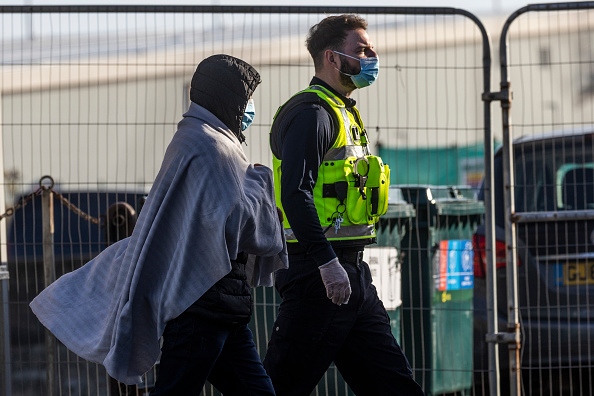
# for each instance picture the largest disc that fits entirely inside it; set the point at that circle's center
(195, 349)
(311, 332)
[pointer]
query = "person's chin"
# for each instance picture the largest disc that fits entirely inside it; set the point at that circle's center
(347, 83)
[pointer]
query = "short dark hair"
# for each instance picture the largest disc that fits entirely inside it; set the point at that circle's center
(330, 33)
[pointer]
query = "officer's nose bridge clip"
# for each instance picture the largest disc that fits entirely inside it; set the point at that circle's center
(361, 178)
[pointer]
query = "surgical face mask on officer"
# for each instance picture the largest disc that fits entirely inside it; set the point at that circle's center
(248, 115)
(368, 73)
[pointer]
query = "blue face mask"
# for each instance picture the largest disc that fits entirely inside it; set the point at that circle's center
(248, 115)
(368, 73)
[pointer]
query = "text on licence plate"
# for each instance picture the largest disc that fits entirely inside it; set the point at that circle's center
(578, 274)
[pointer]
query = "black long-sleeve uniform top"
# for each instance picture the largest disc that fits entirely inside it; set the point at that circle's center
(305, 133)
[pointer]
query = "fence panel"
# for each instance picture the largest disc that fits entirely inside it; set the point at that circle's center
(91, 96)
(546, 217)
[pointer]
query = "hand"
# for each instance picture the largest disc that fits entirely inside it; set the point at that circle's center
(336, 281)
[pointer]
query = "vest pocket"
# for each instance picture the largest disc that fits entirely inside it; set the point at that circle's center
(368, 182)
(357, 172)
(378, 183)
(356, 188)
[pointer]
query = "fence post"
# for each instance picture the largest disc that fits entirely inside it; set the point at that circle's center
(5, 358)
(5, 375)
(49, 273)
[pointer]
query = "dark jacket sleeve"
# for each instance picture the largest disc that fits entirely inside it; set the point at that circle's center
(308, 134)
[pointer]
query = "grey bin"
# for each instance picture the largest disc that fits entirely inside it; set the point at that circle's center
(385, 259)
(437, 286)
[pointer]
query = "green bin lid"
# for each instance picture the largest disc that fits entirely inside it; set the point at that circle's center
(397, 206)
(448, 200)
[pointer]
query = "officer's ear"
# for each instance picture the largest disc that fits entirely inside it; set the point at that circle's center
(332, 58)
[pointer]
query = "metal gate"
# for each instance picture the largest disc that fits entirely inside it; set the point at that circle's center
(545, 179)
(91, 95)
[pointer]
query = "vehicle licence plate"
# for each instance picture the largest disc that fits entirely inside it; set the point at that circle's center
(578, 274)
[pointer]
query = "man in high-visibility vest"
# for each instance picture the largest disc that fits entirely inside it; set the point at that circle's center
(332, 191)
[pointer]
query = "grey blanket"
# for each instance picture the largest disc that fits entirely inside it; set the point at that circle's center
(207, 204)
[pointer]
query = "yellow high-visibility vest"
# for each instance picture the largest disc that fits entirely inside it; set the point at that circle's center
(352, 187)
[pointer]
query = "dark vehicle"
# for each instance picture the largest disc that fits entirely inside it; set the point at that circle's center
(554, 178)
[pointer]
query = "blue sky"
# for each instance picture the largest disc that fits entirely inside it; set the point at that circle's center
(478, 7)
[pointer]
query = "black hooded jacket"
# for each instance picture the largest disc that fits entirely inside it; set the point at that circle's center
(223, 84)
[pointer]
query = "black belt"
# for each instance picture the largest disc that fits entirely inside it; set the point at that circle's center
(349, 256)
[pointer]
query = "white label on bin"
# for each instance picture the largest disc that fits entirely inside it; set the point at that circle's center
(3, 272)
(384, 265)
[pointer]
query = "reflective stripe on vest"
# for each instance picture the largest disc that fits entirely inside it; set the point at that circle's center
(357, 231)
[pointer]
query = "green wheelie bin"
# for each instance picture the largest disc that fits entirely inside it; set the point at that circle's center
(437, 286)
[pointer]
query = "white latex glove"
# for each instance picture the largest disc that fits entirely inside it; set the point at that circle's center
(336, 281)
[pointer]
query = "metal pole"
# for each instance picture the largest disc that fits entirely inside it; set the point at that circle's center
(5, 358)
(491, 270)
(513, 326)
(49, 273)
(5, 374)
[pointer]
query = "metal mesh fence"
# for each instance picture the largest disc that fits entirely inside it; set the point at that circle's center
(91, 96)
(550, 174)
